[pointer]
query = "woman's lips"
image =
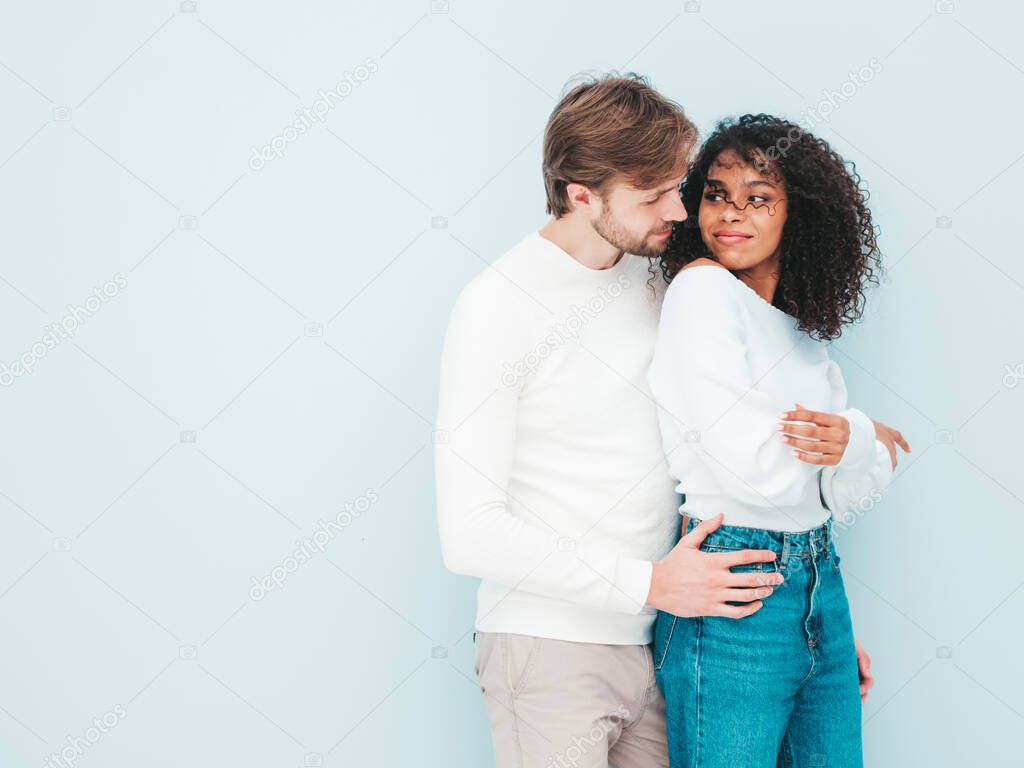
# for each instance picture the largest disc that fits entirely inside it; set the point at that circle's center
(731, 238)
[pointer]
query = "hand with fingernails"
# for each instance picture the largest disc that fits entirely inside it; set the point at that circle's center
(688, 582)
(823, 439)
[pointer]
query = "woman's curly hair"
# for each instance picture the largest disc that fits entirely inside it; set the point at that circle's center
(829, 250)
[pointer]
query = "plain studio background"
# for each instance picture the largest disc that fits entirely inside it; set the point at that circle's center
(256, 335)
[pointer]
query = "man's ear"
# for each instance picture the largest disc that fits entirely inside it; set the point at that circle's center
(580, 195)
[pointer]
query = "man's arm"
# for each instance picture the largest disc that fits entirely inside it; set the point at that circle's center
(474, 453)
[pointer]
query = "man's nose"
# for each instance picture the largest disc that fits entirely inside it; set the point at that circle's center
(676, 210)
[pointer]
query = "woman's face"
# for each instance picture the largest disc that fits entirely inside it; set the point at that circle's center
(742, 212)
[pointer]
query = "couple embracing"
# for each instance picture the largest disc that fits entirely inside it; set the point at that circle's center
(643, 446)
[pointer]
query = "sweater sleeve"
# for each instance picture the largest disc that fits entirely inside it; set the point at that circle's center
(701, 379)
(483, 532)
(864, 471)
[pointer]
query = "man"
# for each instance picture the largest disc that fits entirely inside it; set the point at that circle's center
(552, 485)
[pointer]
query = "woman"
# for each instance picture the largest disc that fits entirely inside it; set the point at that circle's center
(756, 427)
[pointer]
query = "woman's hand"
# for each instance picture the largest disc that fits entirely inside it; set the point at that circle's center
(890, 438)
(821, 442)
(863, 670)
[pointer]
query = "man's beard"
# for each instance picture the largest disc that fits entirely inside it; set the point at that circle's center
(608, 228)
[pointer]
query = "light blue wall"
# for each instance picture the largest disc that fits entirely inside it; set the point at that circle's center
(269, 351)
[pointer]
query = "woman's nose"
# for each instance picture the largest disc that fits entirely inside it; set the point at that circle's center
(730, 212)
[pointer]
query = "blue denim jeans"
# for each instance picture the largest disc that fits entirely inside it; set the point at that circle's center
(777, 688)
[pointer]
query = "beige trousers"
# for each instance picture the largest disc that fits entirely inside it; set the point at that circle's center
(560, 704)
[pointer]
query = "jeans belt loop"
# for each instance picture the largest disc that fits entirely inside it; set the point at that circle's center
(784, 558)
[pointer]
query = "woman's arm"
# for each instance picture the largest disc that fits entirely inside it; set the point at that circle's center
(865, 470)
(857, 485)
(703, 383)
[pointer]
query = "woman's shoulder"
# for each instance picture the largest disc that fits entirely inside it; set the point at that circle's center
(703, 261)
(705, 271)
(703, 281)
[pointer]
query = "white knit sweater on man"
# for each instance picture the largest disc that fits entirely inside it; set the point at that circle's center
(552, 486)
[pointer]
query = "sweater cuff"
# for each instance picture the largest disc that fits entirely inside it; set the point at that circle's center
(631, 587)
(860, 451)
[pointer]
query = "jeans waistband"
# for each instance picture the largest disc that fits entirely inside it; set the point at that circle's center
(786, 543)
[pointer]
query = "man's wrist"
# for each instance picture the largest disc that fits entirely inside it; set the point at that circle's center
(653, 592)
(632, 584)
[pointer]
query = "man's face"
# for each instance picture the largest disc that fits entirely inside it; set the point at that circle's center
(639, 221)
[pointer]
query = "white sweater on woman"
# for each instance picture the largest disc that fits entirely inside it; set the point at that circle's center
(726, 365)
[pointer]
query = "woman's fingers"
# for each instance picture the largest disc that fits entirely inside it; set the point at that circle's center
(816, 446)
(802, 414)
(890, 438)
(890, 446)
(900, 441)
(895, 434)
(822, 460)
(826, 453)
(817, 417)
(832, 433)
(807, 430)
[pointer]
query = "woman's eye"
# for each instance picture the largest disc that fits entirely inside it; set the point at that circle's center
(712, 196)
(758, 199)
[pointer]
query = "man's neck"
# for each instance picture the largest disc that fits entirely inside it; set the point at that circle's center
(577, 237)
